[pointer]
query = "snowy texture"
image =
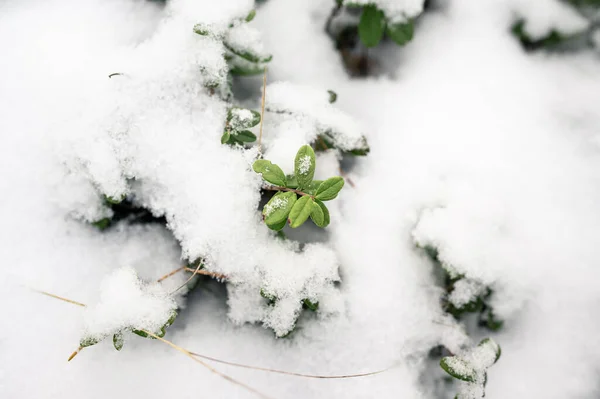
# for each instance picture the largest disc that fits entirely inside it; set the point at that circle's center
(298, 114)
(543, 16)
(127, 303)
(485, 151)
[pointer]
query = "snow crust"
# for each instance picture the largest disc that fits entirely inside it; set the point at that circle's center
(479, 149)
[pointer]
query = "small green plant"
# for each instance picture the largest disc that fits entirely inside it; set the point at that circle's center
(374, 25)
(118, 337)
(242, 56)
(239, 120)
(285, 206)
(455, 285)
(556, 37)
(471, 368)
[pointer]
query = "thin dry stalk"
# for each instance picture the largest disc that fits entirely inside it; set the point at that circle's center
(217, 372)
(189, 279)
(262, 111)
(218, 276)
(291, 372)
(170, 274)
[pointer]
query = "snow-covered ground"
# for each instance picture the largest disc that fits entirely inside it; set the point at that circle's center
(478, 148)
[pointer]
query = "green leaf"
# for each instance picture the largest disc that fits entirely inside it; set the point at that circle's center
(326, 218)
(371, 26)
(304, 166)
(313, 186)
(225, 137)
(401, 33)
(140, 333)
(202, 29)
(250, 15)
(102, 223)
(270, 172)
(317, 216)
(242, 118)
(245, 136)
(332, 96)
(114, 201)
(269, 297)
(330, 188)
(310, 305)
(301, 211)
(247, 54)
(491, 345)
(458, 368)
(292, 182)
(277, 226)
(118, 341)
(276, 211)
(246, 70)
(172, 318)
(88, 341)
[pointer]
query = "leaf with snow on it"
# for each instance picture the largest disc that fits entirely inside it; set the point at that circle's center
(127, 303)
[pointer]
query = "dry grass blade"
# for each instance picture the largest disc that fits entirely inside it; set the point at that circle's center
(191, 356)
(262, 111)
(59, 297)
(218, 276)
(194, 356)
(291, 372)
(170, 274)
(188, 280)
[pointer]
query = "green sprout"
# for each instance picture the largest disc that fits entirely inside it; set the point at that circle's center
(238, 121)
(285, 206)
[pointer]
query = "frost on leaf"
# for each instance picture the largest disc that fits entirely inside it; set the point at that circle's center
(470, 367)
(304, 164)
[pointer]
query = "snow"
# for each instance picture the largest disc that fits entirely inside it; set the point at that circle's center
(395, 10)
(305, 163)
(479, 149)
(127, 303)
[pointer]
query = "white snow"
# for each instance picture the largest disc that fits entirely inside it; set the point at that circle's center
(478, 148)
(127, 303)
(395, 10)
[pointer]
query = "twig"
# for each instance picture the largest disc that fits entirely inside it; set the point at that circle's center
(188, 280)
(170, 274)
(218, 276)
(262, 110)
(217, 372)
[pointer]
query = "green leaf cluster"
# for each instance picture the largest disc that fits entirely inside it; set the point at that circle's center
(481, 305)
(119, 339)
(373, 25)
(299, 197)
(473, 367)
(239, 120)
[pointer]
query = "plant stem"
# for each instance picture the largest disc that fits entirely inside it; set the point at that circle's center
(218, 276)
(277, 188)
(262, 110)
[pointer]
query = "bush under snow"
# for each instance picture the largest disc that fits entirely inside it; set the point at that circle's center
(471, 207)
